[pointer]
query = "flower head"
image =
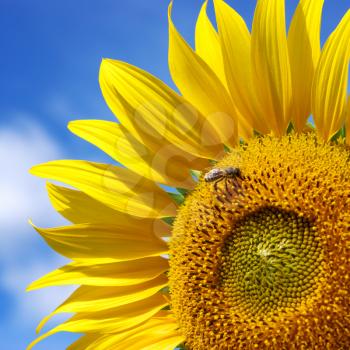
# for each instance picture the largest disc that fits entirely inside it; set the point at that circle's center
(250, 250)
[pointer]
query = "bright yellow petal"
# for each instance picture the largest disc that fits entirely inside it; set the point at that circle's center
(79, 208)
(114, 320)
(235, 45)
(92, 299)
(271, 70)
(83, 342)
(117, 187)
(150, 340)
(157, 333)
(199, 85)
(208, 44)
(304, 52)
(154, 113)
(125, 273)
(347, 125)
(102, 243)
(329, 91)
(117, 142)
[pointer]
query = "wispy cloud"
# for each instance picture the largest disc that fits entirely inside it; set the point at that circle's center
(37, 304)
(23, 143)
(23, 257)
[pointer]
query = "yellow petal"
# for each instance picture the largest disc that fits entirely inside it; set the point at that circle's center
(235, 44)
(92, 299)
(271, 70)
(304, 52)
(114, 320)
(117, 187)
(347, 128)
(79, 208)
(149, 340)
(83, 342)
(102, 243)
(95, 341)
(154, 113)
(199, 85)
(157, 333)
(125, 273)
(329, 91)
(117, 142)
(208, 44)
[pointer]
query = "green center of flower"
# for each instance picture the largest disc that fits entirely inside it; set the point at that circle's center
(270, 261)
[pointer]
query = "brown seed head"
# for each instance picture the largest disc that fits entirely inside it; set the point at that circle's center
(262, 261)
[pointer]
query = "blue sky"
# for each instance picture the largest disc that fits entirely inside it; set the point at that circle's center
(50, 57)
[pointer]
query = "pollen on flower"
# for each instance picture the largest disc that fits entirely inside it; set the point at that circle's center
(262, 261)
(270, 262)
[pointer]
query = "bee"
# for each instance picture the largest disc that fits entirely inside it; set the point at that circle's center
(218, 174)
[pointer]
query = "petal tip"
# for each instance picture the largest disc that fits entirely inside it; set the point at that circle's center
(34, 169)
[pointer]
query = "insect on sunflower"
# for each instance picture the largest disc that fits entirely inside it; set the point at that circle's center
(251, 249)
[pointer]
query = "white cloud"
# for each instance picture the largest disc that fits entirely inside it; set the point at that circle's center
(36, 303)
(24, 143)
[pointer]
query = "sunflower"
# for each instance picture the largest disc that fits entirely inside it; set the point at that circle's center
(228, 225)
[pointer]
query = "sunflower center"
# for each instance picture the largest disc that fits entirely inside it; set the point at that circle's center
(270, 261)
(259, 257)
